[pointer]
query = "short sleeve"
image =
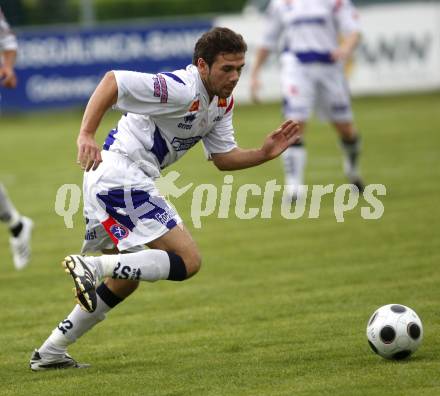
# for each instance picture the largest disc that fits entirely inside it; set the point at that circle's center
(272, 27)
(221, 139)
(347, 17)
(151, 94)
(8, 40)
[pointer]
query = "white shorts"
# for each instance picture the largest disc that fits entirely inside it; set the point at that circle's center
(319, 86)
(123, 207)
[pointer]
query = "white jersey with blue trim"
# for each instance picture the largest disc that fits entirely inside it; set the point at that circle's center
(167, 114)
(309, 28)
(7, 38)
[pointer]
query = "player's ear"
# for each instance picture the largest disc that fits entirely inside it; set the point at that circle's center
(202, 66)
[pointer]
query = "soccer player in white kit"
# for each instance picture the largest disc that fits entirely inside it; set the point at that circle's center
(165, 115)
(316, 37)
(20, 227)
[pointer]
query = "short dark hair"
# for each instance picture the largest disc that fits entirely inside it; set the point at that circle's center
(217, 41)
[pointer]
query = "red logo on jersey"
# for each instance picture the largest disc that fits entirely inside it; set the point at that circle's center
(195, 106)
(222, 102)
(115, 230)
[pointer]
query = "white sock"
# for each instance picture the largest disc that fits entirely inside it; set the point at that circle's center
(8, 213)
(147, 265)
(70, 329)
(294, 159)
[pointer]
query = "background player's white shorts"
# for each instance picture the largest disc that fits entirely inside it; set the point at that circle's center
(319, 86)
(123, 207)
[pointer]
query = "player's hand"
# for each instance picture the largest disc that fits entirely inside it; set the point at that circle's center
(8, 79)
(278, 141)
(255, 86)
(89, 153)
(340, 55)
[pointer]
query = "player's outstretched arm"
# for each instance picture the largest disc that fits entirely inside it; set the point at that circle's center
(274, 144)
(104, 97)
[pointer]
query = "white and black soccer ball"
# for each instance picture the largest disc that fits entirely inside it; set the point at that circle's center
(394, 331)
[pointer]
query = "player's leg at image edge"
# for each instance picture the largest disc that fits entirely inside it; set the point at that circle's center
(20, 228)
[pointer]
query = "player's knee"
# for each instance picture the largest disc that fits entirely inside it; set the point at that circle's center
(184, 266)
(193, 264)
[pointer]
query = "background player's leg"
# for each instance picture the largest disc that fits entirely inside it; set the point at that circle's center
(299, 97)
(336, 99)
(294, 161)
(20, 228)
(8, 213)
(350, 144)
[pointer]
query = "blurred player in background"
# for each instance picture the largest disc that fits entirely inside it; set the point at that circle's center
(19, 226)
(317, 37)
(166, 115)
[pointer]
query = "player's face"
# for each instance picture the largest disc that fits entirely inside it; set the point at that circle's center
(222, 76)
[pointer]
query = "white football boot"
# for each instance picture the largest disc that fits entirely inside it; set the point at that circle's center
(39, 363)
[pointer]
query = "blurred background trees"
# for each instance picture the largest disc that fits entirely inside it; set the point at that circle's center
(40, 12)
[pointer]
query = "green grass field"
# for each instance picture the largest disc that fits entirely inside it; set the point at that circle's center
(280, 306)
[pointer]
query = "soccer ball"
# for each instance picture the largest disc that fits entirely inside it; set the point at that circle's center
(394, 331)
